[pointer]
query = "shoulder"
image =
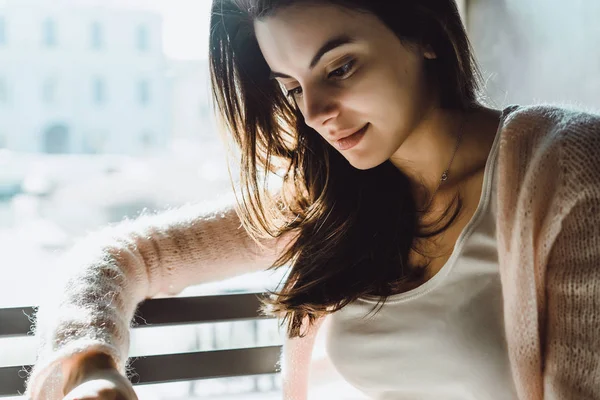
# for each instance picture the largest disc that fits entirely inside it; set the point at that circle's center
(548, 156)
(547, 122)
(566, 136)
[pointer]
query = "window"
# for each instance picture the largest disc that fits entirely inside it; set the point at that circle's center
(2, 31)
(143, 40)
(56, 139)
(49, 90)
(144, 92)
(97, 36)
(93, 153)
(49, 31)
(99, 91)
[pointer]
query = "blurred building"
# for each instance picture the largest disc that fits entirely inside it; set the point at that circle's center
(81, 77)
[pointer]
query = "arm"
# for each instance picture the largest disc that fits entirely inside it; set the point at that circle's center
(106, 275)
(296, 362)
(572, 351)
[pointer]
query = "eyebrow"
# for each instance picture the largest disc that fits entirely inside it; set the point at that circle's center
(327, 47)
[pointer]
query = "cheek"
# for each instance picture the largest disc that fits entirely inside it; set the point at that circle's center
(392, 91)
(379, 96)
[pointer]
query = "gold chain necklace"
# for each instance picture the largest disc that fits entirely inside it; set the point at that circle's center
(446, 173)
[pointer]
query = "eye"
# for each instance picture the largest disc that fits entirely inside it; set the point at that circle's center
(297, 91)
(343, 71)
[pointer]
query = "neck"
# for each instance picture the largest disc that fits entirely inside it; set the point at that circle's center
(428, 150)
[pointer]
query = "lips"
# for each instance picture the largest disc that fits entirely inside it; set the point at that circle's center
(352, 140)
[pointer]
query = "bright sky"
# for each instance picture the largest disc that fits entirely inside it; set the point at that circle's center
(185, 26)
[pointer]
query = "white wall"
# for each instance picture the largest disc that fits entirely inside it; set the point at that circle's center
(538, 50)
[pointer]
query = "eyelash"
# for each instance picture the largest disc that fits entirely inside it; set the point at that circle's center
(349, 65)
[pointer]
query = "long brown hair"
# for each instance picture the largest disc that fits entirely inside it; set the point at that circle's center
(353, 230)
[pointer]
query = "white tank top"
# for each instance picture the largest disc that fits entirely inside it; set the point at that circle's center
(441, 341)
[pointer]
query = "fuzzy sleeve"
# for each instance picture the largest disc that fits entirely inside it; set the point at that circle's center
(102, 279)
(572, 352)
(572, 344)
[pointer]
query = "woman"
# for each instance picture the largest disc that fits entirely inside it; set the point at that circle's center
(454, 247)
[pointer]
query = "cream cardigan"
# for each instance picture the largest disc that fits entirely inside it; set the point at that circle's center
(548, 231)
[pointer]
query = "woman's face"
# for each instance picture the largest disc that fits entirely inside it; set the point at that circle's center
(348, 73)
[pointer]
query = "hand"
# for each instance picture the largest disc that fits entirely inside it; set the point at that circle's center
(106, 384)
(94, 376)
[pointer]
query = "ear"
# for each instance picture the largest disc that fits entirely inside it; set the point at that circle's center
(428, 53)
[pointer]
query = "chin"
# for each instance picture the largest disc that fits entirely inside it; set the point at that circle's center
(364, 163)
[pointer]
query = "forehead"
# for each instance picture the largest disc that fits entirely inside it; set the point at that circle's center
(292, 35)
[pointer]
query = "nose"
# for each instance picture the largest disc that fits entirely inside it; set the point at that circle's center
(318, 108)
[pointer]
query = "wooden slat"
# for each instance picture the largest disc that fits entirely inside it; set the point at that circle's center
(175, 367)
(15, 321)
(12, 381)
(169, 311)
(206, 365)
(178, 367)
(189, 310)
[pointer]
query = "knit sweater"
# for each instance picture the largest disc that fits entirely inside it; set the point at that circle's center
(548, 233)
